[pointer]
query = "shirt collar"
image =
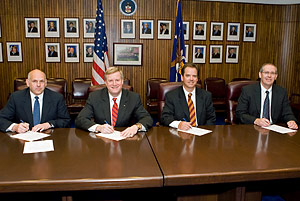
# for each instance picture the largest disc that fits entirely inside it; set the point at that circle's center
(32, 96)
(118, 97)
(264, 89)
(187, 93)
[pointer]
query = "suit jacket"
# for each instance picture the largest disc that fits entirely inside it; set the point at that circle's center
(32, 30)
(217, 33)
(19, 108)
(146, 31)
(54, 54)
(176, 107)
(249, 105)
(71, 30)
(98, 108)
(216, 55)
(198, 55)
(232, 56)
(198, 32)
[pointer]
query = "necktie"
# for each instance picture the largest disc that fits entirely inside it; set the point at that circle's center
(114, 113)
(266, 110)
(36, 111)
(191, 110)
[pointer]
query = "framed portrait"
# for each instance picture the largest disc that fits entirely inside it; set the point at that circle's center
(128, 54)
(88, 52)
(215, 53)
(164, 29)
(71, 27)
(216, 30)
(232, 54)
(186, 29)
(199, 52)
(72, 52)
(89, 26)
(146, 29)
(249, 32)
(14, 51)
(32, 27)
(1, 53)
(0, 30)
(199, 31)
(233, 32)
(52, 27)
(52, 51)
(186, 53)
(127, 28)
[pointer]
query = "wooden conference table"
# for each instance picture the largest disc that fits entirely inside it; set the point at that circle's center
(231, 163)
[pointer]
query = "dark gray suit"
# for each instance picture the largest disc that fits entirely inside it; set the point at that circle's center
(249, 105)
(176, 107)
(98, 108)
(19, 108)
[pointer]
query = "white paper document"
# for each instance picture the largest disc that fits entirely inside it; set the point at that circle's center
(196, 131)
(116, 135)
(30, 136)
(38, 146)
(279, 129)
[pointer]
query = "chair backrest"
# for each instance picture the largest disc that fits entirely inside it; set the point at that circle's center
(216, 86)
(101, 86)
(233, 92)
(126, 81)
(239, 79)
(19, 84)
(80, 87)
(59, 81)
(153, 87)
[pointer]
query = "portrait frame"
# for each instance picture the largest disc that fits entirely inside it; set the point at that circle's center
(218, 35)
(235, 57)
(34, 32)
(1, 53)
(233, 34)
(199, 36)
(212, 59)
(68, 58)
(252, 37)
(151, 28)
(52, 31)
(74, 33)
(123, 52)
(87, 58)
(89, 32)
(55, 56)
(125, 33)
(202, 49)
(0, 30)
(186, 28)
(167, 32)
(186, 53)
(16, 57)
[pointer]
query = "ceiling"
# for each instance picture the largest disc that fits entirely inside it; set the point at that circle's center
(262, 1)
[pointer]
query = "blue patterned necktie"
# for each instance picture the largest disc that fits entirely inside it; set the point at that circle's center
(266, 110)
(36, 111)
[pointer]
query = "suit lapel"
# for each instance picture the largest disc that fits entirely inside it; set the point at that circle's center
(198, 102)
(183, 102)
(122, 106)
(46, 105)
(257, 94)
(105, 104)
(28, 107)
(274, 99)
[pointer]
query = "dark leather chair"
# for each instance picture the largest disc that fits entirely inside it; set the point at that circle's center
(233, 91)
(101, 86)
(152, 94)
(59, 81)
(217, 88)
(295, 105)
(239, 79)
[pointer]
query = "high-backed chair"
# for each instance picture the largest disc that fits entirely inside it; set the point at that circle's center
(233, 91)
(59, 81)
(295, 105)
(101, 86)
(152, 94)
(217, 88)
(239, 79)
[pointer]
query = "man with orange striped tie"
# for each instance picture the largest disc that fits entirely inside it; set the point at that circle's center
(188, 105)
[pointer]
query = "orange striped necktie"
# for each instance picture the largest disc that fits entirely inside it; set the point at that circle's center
(114, 113)
(192, 110)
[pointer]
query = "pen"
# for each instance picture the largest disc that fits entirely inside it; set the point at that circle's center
(22, 121)
(184, 119)
(106, 122)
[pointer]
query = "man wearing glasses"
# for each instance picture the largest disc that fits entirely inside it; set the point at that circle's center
(265, 103)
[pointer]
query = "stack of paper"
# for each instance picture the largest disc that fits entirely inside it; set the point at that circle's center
(116, 135)
(196, 131)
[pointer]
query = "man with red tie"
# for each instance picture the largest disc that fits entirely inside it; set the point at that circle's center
(188, 105)
(114, 107)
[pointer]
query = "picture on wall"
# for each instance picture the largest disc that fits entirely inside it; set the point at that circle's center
(127, 28)
(71, 27)
(128, 54)
(186, 53)
(249, 32)
(52, 51)
(146, 29)
(199, 31)
(164, 29)
(232, 54)
(186, 29)
(216, 30)
(215, 53)
(1, 53)
(199, 52)
(0, 30)
(72, 52)
(14, 51)
(52, 27)
(89, 26)
(88, 52)
(233, 32)
(32, 27)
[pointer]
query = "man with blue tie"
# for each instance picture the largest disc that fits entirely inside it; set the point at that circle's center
(35, 107)
(265, 103)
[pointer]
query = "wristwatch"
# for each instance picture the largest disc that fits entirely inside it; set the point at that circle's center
(139, 125)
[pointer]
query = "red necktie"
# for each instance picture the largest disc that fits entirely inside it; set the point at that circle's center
(114, 113)
(191, 110)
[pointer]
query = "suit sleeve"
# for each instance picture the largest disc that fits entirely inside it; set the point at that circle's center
(7, 114)
(287, 113)
(167, 115)
(142, 115)
(210, 111)
(242, 109)
(63, 118)
(84, 118)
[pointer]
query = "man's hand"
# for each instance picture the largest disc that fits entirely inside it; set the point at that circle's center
(41, 127)
(292, 124)
(130, 131)
(184, 125)
(105, 129)
(21, 128)
(262, 122)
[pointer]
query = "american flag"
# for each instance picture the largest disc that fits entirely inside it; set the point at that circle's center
(100, 60)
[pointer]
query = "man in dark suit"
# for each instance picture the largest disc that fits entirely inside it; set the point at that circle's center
(71, 52)
(199, 30)
(215, 54)
(19, 113)
(265, 103)
(163, 29)
(198, 54)
(32, 28)
(52, 52)
(231, 54)
(233, 31)
(71, 28)
(249, 32)
(216, 31)
(52, 26)
(176, 110)
(146, 29)
(114, 107)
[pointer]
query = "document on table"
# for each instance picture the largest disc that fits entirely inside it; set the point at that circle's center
(38, 146)
(30, 136)
(196, 131)
(116, 135)
(279, 129)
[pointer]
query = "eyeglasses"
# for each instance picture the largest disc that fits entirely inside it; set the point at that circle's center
(269, 73)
